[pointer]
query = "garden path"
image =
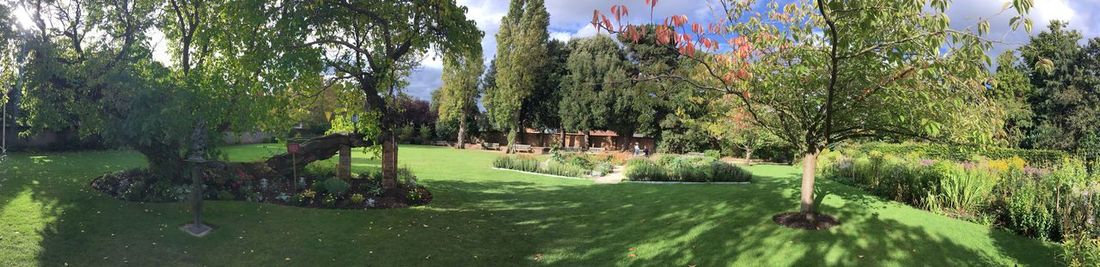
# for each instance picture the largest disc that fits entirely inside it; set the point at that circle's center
(614, 177)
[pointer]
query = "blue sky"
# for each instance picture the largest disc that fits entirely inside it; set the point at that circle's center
(570, 19)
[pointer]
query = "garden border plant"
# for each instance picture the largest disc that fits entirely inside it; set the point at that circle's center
(1058, 202)
(317, 187)
(573, 165)
(685, 169)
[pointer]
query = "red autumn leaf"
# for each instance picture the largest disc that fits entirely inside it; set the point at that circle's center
(679, 20)
(596, 20)
(728, 78)
(743, 75)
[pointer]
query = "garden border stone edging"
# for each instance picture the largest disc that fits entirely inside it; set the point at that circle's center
(542, 174)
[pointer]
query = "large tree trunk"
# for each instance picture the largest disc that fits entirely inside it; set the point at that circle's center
(562, 134)
(461, 133)
(343, 167)
(317, 148)
(748, 156)
(809, 167)
(512, 139)
(587, 139)
(389, 164)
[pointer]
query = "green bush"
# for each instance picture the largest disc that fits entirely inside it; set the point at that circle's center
(319, 169)
(563, 164)
(685, 169)
(1081, 250)
(563, 169)
(1027, 209)
(713, 153)
(962, 192)
(728, 172)
(335, 186)
(526, 164)
(644, 170)
(603, 168)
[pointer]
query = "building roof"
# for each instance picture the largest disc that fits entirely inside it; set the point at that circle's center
(604, 133)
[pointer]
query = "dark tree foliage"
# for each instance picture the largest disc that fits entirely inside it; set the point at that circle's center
(540, 110)
(1066, 97)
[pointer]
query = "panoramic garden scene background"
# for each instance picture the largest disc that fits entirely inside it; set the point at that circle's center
(533, 132)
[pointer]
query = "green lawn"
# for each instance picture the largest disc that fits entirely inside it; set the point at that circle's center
(481, 216)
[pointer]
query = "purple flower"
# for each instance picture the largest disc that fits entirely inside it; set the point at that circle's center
(1032, 171)
(968, 165)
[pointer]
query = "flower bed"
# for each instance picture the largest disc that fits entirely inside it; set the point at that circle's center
(685, 169)
(561, 164)
(1058, 203)
(318, 187)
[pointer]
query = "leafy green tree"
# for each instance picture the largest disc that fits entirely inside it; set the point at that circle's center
(459, 94)
(817, 73)
(107, 89)
(540, 110)
(521, 55)
(732, 125)
(1010, 90)
(1066, 100)
(374, 44)
(7, 55)
(596, 68)
(665, 109)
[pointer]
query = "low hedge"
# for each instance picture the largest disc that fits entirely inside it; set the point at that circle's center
(1038, 157)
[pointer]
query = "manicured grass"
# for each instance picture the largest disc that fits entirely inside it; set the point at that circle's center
(481, 216)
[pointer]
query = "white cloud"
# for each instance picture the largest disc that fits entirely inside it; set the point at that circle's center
(561, 36)
(965, 14)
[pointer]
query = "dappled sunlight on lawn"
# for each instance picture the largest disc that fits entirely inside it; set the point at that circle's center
(482, 216)
(25, 224)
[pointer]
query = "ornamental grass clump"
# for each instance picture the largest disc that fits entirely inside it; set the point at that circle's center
(685, 169)
(561, 164)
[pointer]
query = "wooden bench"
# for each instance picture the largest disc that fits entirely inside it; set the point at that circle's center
(595, 150)
(696, 154)
(441, 143)
(523, 148)
(490, 146)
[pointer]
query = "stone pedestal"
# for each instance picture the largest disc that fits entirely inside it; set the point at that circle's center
(343, 168)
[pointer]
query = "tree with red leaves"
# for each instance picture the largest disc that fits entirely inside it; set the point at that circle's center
(815, 73)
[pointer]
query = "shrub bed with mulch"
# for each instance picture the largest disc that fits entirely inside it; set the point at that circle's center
(317, 187)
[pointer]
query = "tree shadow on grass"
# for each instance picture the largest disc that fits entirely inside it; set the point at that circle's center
(673, 225)
(514, 222)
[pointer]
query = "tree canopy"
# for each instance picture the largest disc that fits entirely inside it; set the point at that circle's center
(458, 97)
(815, 73)
(521, 56)
(374, 44)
